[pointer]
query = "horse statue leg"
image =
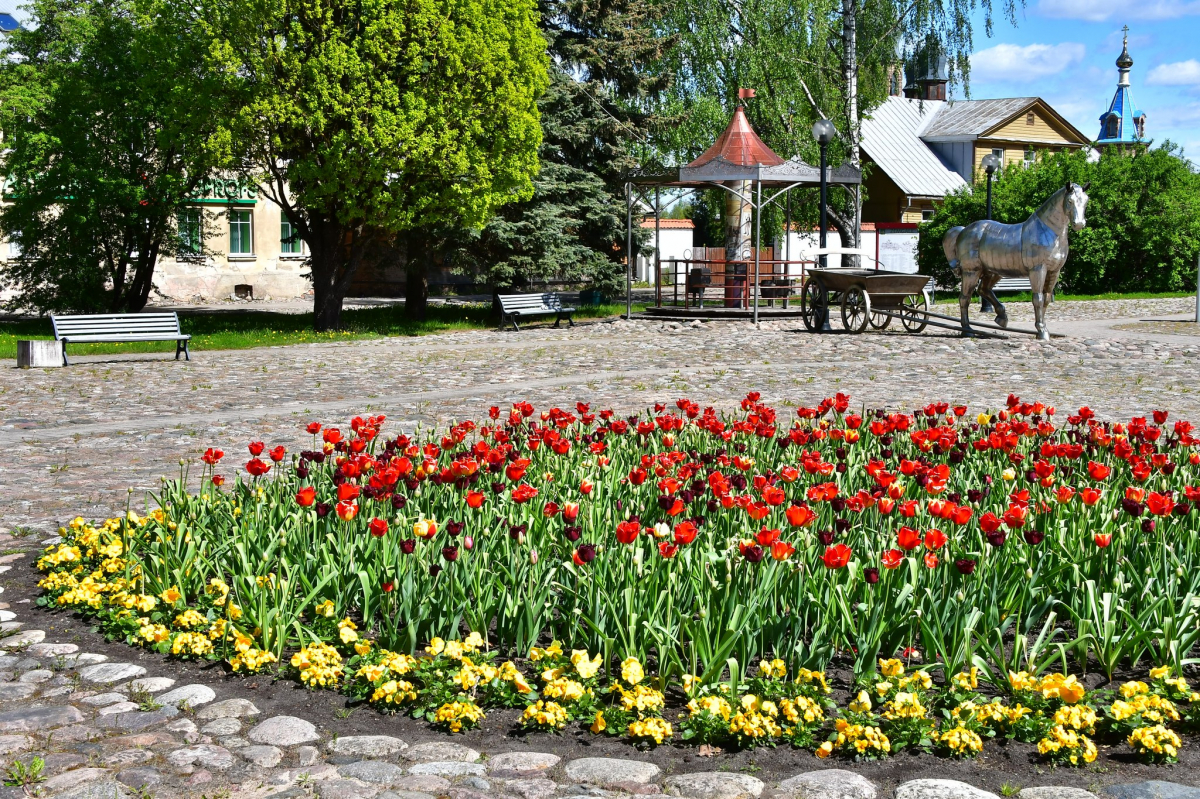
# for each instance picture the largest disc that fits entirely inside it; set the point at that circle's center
(970, 277)
(1048, 295)
(1037, 281)
(986, 285)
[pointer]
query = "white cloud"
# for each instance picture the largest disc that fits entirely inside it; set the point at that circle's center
(1100, 10)
(1010, 62)
(1181, 73)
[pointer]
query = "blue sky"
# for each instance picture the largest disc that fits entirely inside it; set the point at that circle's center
(1063, 51)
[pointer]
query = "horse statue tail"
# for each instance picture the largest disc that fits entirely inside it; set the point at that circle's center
(950, 246)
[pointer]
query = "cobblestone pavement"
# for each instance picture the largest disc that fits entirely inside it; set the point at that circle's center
(87, 439)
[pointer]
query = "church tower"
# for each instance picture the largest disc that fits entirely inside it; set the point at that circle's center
(1122, 123)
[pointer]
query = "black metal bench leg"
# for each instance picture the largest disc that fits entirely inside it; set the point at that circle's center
(64, 349)
(570, 321)
(513, 319)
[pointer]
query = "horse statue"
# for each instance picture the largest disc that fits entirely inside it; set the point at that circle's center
(986, 251)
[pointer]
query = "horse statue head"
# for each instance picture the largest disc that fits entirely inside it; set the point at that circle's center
(1075, 203)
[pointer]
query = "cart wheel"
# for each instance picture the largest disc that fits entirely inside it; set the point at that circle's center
(856, 309)
(880, 319)
(813, 305)
(914, 312)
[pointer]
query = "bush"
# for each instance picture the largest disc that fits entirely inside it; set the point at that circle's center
(1143, 216)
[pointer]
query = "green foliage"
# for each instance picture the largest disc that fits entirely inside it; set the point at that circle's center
(573, 227)
(1143, 218)
(112, 125)
(382, 116)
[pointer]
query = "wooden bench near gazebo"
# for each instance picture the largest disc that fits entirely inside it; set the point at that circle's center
(739, 285)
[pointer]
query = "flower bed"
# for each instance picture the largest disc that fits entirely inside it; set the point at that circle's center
(996, 548)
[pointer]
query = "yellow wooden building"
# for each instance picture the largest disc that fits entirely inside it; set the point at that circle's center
(917, 150)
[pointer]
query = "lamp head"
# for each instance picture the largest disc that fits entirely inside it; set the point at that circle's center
(991, 163)
(823, 131)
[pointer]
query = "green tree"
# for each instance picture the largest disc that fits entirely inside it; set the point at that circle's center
(366, 119)
(1143, 218)
(111, 122)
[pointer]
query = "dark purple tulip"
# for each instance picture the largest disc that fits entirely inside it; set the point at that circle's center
(323, 509)
(871, 575)
(753, 554)
(435, 570)
(996, 537)
(454, 528)
(572, 532)
(450, 553)
(399, 501)
(965, 566)
(825, 537)
(1148, 525)
(587, 552)
(408, 545)
(1034, 537)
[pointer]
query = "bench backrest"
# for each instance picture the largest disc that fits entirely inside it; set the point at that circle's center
(530, 302)
(1012, 284)
(126, 324)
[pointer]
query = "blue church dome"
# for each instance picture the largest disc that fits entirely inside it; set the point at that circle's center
(1122, 123)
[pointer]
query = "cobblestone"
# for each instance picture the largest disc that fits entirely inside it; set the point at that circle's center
(78, 439)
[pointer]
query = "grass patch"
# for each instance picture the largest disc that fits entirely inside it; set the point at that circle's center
(242, 329)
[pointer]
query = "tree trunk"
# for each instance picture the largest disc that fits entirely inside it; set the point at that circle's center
(416, 278)
(738, 225)
(850, 12)
(326, 244)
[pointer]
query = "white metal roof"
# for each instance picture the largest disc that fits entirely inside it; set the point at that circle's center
(890, 136)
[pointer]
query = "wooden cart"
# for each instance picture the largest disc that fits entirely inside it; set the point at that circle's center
(866, 296)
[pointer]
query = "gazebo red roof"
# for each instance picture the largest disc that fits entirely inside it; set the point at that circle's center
(740, 145)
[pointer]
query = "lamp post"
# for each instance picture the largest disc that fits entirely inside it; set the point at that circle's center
(990, 164)
(823, 131)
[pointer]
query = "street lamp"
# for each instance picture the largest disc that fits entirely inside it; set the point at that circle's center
(823, 131)
(990, 163)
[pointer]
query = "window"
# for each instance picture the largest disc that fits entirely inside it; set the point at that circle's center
(1112, 128)
(999, 153)
(289, 240)
(1030, 156)
(240, 240)
(1030, 119)
(14, 250)
(926, 214)
(191, 231)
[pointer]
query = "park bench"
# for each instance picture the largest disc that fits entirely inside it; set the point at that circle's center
(514, 306)
(1012, 284)
(118, 328)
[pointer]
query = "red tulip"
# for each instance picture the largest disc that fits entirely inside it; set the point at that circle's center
(332, 436)
(935, 539)
(475, 500)
(347, 510)
(277, 453)
(766, 537)
(256, 448)
(313, 428)
(989, 522)
(378, 527)
(257, 467)
(347, 491)
(523, 493)
(1098, 471)
(306, 496)
(218, 480)
(908, 538)
(667, 549)
(585, 487)
(837, 556)
(1090, 496)
(685, 532)
(1103, 539)
(570, 512)
(1160, 504)
(800, 515)
(892, 558)
(627, 532)
(782, 550)
(931, 560)
(211, 456)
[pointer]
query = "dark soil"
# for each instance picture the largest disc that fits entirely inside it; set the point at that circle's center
(1002, 763)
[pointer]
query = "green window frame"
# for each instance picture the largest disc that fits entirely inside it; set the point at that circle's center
(289, 240)
(191, 231)
(241, 233)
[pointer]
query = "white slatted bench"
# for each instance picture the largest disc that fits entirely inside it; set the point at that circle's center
(1012, 284)
(514, 306)
(120, 328)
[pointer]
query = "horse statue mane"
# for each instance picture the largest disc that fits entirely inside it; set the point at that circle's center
(986, 251)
